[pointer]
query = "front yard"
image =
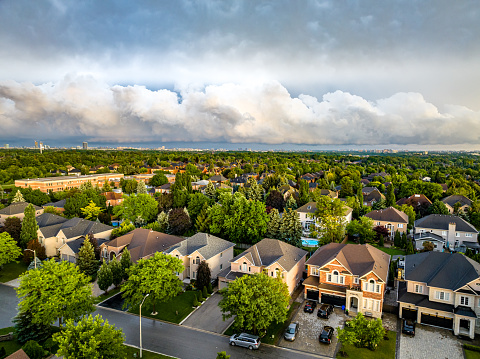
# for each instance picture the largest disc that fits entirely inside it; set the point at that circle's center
(135, 353)
(386, 349)
(12, 270)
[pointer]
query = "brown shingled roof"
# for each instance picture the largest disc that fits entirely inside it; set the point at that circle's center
(19, 354)
(389, 214)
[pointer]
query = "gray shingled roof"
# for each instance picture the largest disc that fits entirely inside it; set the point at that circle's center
(441, 221)
(17, 208)
(58, 204)
(269, 251)
(206, 244)
(441, 270)
(51, 225)
(311, 207)
(77, 243)
(451, 200)
(49, 219)
(359, 259)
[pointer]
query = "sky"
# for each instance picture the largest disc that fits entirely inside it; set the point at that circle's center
(315, 73)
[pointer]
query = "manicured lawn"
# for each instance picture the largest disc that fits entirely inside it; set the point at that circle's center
(174, 311)
(10, 346)
(145, 354)
(386, 349)
(12, 271)
(102, 297)
(390, 250)
(470, 354)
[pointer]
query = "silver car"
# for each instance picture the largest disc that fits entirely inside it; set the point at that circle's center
(245, 340)
(291, 332)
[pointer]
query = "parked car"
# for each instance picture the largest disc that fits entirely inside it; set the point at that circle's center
(245, 340)
(309, 306)
(291, 332)
(408, 327)
(324, 311)
(326, 335)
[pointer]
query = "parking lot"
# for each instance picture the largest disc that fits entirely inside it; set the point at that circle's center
(310, 328)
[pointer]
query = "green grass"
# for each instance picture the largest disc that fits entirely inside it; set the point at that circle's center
(7, 330)
(5, 186)
(470, 354)
(386, 349)
(173, 311)
(11, 271)
(145, 354)
(391, 251)
(102, 297)
(11, 346)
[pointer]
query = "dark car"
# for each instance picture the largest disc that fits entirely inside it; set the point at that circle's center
(408, 327)
(324, 311)
(309, 307)
(326, 335)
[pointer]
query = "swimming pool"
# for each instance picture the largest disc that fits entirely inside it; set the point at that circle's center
(310, 242)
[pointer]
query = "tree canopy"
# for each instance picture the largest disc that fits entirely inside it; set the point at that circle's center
(9, 250)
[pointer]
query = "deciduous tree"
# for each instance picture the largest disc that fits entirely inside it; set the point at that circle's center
(363, 227)
(13, 226)
(9, 250)
(178, 221)
(40, 253)
(330, 219)
(29, 226)
(18, 197)
(91, 211)
(362, 333)
(275, 200)
(117, 271)
(126, 262)
(141, 188)
(104, 277)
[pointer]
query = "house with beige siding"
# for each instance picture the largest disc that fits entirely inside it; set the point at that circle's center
(69, 251)
(17, 209)
(350, 275)
(390, 218)
(463, 203)
(274, 257)
(307, 215)
(442, 290)
(215, 251)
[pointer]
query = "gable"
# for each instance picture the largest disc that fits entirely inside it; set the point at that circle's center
(336, 263)
(372, 275)
(243, 259)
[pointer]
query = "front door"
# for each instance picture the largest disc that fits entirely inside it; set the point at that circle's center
(353, 303)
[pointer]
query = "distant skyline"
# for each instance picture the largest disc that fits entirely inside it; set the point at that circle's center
(277, 73)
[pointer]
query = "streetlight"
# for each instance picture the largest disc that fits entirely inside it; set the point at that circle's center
(34, 256)
(141, 323)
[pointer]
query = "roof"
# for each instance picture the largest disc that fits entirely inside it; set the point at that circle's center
(359, 259)
(49, 219)
(269, 251)
(419, 199)
(77, 243)
(19, 354)
(58, 204)
(109, 196)
(230, 275)
(441, 221)
(17, 208)
(311, 207)
(373, 195)
(206, 244)
(428, 235)
(217, 178)
(456, 198)
(389, 214)
(50, 225)
(143, 242)
(440, 269)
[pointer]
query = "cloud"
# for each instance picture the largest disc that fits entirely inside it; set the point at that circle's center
(83, 106)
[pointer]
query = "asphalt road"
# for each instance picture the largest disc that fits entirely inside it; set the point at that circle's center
(170, 339)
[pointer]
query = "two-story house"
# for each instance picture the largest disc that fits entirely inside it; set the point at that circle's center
(200, 247)
(463, 203)
(443, 290)
(371, 197)
(17, 209)
(457, 232)
(350, 275)
(271, 256)
(307, 215)
(390, 218)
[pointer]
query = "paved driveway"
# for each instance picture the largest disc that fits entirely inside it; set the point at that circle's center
(208, 316)
(310, 328)
(430, 342)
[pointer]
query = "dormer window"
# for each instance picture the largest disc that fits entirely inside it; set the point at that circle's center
(197, 260)
(244, 266)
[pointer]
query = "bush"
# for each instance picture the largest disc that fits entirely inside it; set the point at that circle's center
(205, 292)
(200, 298)
(33, 350)
(471, 347)
(3, 352)
(50, 345)
(209, 288)
(195, 301)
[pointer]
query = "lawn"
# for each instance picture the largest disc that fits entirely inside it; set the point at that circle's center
(275, 329)
(386, 349)
(470, 354)
(173, 311)
(390, 250)
(103, 297)
(10, 346)
(12, 271)
(131, 351)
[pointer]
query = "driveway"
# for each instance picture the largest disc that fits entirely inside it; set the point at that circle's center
(310, 328)
(430, 342)
(208, 316)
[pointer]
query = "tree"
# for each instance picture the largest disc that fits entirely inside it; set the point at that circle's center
(438, 207)
(18, 197)
(34, 245)
(253, 190)
(397, 239)
(291, 228)
(203, 275)
(9, 251)
(26, 329)
(275, 200)
(126, 262)
(210, 191)
(410, 249)
(53, 210)
(330, 220)
(106, 187)
(156, 276)
(117, 271)
(134, 206)
(363, 227)
(196, 203)
(390, 197)
(141, 187)
(162, 220)
(178, 221)
(125, 227)
(291, 203)
(410, 212)
(381, 204)
(304, 192)
(404, 241)
(13, 226)
(91, 211)
(56, 290)
(87, 263)
(33, 350)
(29, 226)
(381, 233)
(256, 301)
(274, 226)
(428, 246)
(90, 338)
(104, 277)
(223, 355)
(362, 333)
(159, 179)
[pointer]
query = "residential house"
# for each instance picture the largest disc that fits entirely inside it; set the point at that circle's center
(113, 198)
(415, 200)
(463, 203)
(215, 251)
(350, 275)
(141, 243)
(372, 197)
(59, 205)
(217, 179)
(390, 218)
(54, 231)
(442, 290)
(17, 210)
(69, 251)
(437, 241)
(455, 230)
(307, 212)
(274, 257)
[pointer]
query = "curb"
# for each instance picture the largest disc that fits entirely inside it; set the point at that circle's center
(147, 350)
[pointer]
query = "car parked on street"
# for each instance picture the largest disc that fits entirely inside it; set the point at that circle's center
(309, 306)
(324, 311)
(291, 332)
(408, 327)
(326, 335)
(245, 340)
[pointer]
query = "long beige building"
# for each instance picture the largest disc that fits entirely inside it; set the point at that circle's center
(62, 183)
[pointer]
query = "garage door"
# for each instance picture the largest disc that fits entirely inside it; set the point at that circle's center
(409, 314)
(333, 300)
(437, 321)
(312, 294)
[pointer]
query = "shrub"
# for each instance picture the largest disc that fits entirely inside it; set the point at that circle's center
(209, 288)
(50, 346)
(200, 298)
(33, 350)
(205, 292)
(195, 301)
(471, 347)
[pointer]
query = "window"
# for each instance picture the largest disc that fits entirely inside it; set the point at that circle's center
(442, 295)
(197, 260)
(444, 233)
(329, 277)
(244, 267)
(194, 274)
(464, 300)
(249, 268)
(400, 225)
(378, 223)
(418, 289)
(468, 234)
(377, 288)
(372, 285)
(221, 255)
(335, 277)
(457, 234)
(356, 280)
(221, 266)
(314, 271)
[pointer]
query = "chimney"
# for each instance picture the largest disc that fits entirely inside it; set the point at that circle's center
(451, 228)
